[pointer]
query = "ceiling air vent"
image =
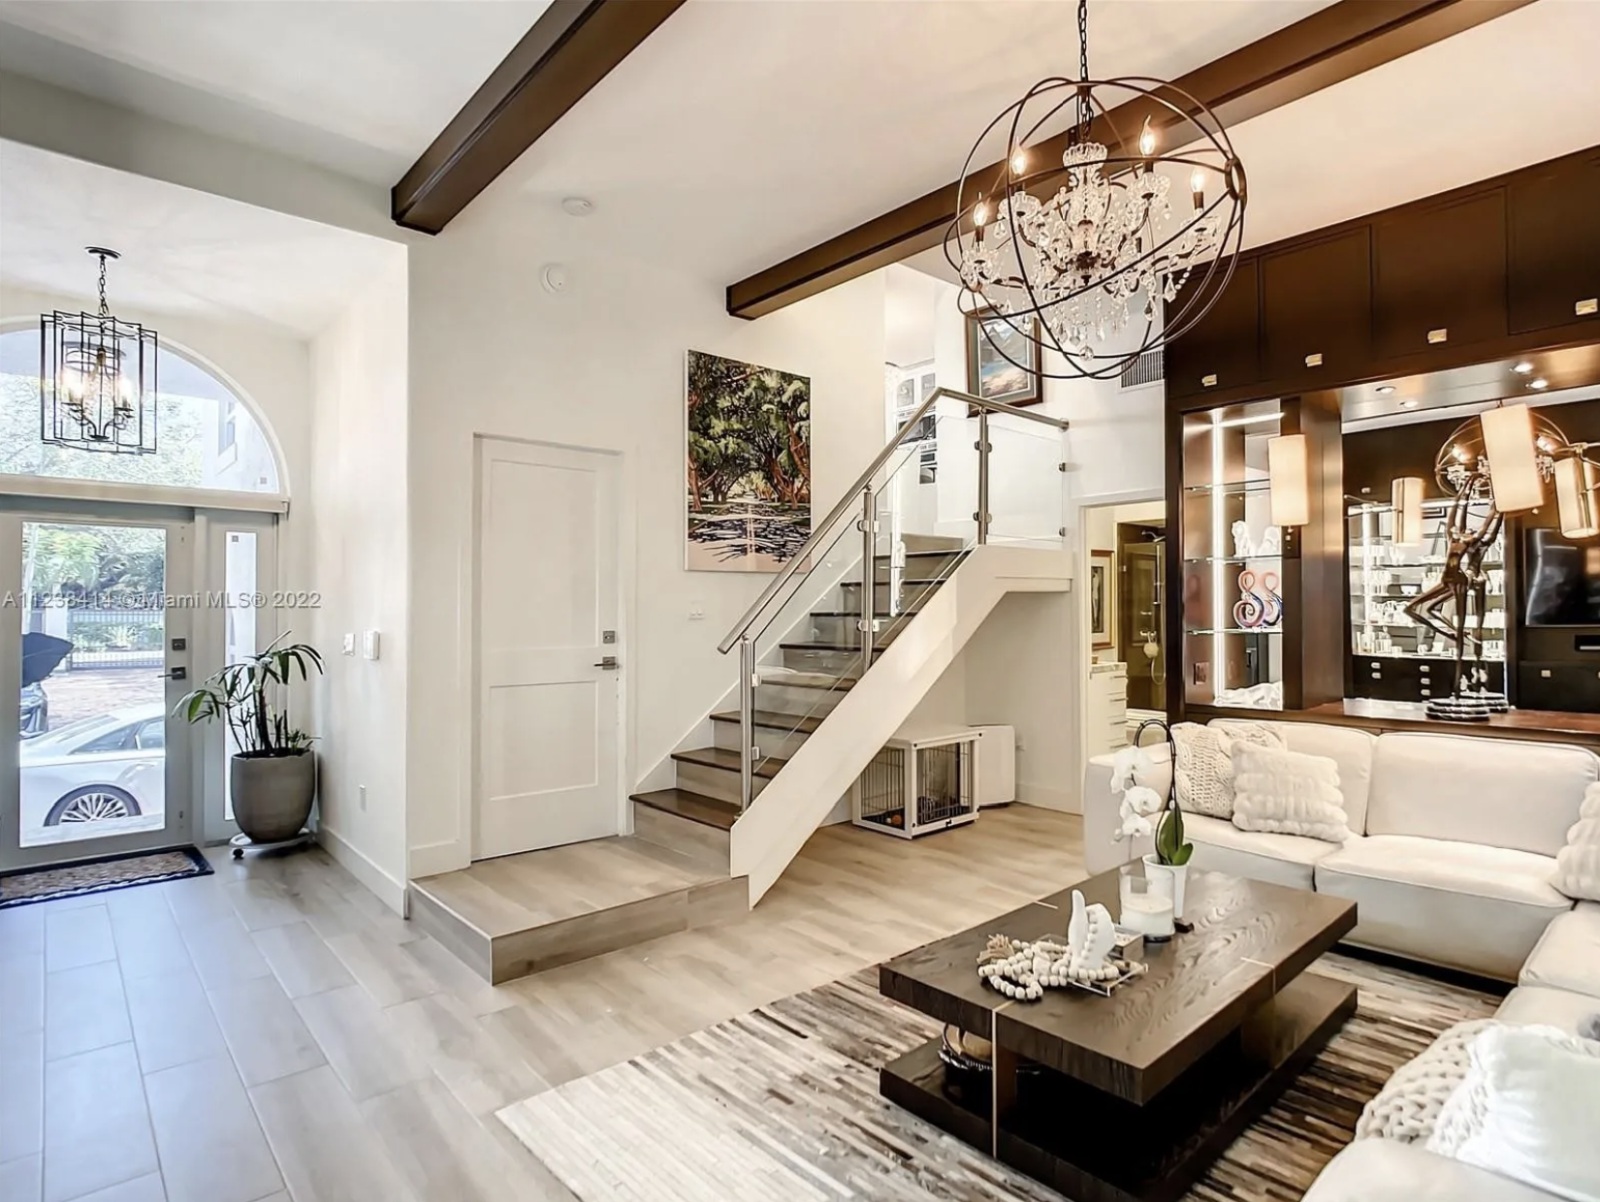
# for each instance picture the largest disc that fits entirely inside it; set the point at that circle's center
(1146, 369)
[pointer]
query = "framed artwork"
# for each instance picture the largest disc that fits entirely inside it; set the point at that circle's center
(1102, 598)
(995, 376)
(748, 452)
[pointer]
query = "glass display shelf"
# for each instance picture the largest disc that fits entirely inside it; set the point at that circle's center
(1232, 486)
(1236, 559)
(1239, 630)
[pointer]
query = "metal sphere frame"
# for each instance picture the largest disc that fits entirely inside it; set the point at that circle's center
(1204, 145)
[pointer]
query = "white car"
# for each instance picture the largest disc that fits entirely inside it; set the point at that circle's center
(107, 772)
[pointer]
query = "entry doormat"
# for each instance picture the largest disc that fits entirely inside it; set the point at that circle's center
(101, 875)
(782, 1105)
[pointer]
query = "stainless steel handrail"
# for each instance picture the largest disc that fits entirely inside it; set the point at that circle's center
(850, 498)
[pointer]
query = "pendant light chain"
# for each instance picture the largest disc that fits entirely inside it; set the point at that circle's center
(105, 309)
(1085, 111)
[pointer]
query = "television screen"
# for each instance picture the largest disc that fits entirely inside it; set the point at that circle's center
(1563, 580)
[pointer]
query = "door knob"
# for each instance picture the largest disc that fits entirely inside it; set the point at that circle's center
(609, 663)
(175, 674)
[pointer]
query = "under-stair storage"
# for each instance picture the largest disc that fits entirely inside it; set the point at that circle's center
(919, 784)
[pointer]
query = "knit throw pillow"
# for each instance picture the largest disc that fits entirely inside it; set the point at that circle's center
(1204, 769)
(1407, 1107)
(1578, 863)
(1286, 793)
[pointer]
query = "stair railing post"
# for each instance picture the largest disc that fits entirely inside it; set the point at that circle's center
(747, 721)
(982, 516)
(869, 575)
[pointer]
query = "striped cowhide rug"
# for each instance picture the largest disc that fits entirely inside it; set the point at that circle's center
(782, 1105)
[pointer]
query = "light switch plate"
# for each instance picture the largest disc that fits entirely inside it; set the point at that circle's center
(369, 644)
(349, 644)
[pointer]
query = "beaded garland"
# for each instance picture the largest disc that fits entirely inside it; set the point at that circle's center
(1023, 971)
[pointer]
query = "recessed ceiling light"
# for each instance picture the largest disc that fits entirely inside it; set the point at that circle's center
(1409, 403)
(1540, 383)
(1385, 389)
(577, 206)
(1523, 368)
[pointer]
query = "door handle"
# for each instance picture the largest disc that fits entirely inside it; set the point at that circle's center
(175, 674)
(609, 663)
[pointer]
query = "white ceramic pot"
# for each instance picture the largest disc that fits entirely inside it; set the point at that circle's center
(1168, 880)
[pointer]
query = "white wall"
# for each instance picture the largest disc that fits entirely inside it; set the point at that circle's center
(359, 557)
(599, 366)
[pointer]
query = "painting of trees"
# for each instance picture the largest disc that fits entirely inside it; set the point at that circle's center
(749, 464)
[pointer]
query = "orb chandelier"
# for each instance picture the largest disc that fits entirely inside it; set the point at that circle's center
(1083, 271)
(97, 378)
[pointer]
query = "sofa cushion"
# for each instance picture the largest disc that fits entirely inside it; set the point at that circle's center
(1496, 792)
(1219, 846)
(1385, 1170)
(1578, 863)
(1288, 793)
(1567, 955)
(1539, 1005)
(1351, 752)
(1460, 905)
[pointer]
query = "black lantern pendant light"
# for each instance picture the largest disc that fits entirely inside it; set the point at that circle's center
(1084, 268)
(97, 378)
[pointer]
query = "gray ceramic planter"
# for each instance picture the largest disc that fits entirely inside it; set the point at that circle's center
(272, 794)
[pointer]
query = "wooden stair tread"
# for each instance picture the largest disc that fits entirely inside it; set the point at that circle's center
(727, 759)
(804, 723)
(696, 807)
(852, 647)
(791, 679)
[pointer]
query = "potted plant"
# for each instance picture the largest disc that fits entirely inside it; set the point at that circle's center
(1168, 866)
(273, 775)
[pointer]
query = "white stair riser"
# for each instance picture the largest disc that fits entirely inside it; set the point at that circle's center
(825, 628)
(790, 699)
(721, 783)
(772, 742)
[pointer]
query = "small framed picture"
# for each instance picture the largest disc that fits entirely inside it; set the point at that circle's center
(997, 376)
(1102, 593)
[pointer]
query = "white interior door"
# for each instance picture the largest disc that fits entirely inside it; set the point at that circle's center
(547, 620)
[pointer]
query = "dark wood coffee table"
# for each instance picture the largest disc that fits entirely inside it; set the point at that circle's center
(1129, 1097)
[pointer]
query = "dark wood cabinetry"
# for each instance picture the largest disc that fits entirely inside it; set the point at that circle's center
(1392, 678)
(1439, 275)
(1316, 306)
(1553, 224)
(1223, 351)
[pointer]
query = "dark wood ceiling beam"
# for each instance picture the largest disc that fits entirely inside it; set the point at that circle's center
(1329, 46)
(571, 47)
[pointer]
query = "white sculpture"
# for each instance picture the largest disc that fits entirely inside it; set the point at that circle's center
(1241, 540)
(1023, 971)
(1271, 542)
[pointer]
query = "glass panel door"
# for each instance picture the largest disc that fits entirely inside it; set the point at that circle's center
(91, 760)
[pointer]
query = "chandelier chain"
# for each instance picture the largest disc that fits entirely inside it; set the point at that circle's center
(1085, 113)
(105, 309)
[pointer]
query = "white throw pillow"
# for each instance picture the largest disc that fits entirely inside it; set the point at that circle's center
(1287, 793)
(1204, 767)
(1407, 1107)
(1526, 1110)
(1578, 863)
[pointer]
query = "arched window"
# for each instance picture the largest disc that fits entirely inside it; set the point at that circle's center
(206, 436)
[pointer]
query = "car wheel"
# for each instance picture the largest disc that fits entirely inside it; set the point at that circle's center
(97, 803)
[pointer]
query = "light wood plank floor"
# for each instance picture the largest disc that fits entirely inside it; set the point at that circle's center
(273, 1033)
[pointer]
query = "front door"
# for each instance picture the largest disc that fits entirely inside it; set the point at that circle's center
(548, 653)
(97, 645)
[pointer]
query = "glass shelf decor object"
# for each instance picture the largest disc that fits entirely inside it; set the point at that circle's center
(1386, 577)
(1233, 560)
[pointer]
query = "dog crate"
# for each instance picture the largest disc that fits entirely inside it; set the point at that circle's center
(917, 785)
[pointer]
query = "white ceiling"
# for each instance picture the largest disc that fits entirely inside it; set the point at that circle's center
(357, 86)
(184, 252)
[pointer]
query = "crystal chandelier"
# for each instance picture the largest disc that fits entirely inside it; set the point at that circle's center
(97, 378)
(1083, 270)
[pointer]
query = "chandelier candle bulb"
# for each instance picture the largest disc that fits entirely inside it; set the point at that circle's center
(1147, 139)
(1508, 445)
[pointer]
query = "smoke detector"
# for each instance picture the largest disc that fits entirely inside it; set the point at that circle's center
(578, 206)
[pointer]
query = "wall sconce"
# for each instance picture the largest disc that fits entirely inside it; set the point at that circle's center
(1513, 460)
(1289, 474)
(1577, 495)
(1406, 496)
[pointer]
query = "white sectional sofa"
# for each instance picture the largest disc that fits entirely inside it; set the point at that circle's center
(1455, 840)
(1451, 864)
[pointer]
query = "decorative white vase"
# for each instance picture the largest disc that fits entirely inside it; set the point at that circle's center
(1168, 880)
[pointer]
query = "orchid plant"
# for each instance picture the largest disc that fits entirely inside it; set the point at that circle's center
(1143, 811)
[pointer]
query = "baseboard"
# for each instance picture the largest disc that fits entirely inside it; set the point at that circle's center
(1047, 797)
(433, 858)
(389, 890)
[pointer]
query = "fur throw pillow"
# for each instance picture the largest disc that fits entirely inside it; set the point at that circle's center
(1408, 1105)
(1204, 768)
(1286, 793)
(1578, 863)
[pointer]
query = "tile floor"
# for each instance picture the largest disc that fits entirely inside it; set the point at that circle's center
(273, 1032)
